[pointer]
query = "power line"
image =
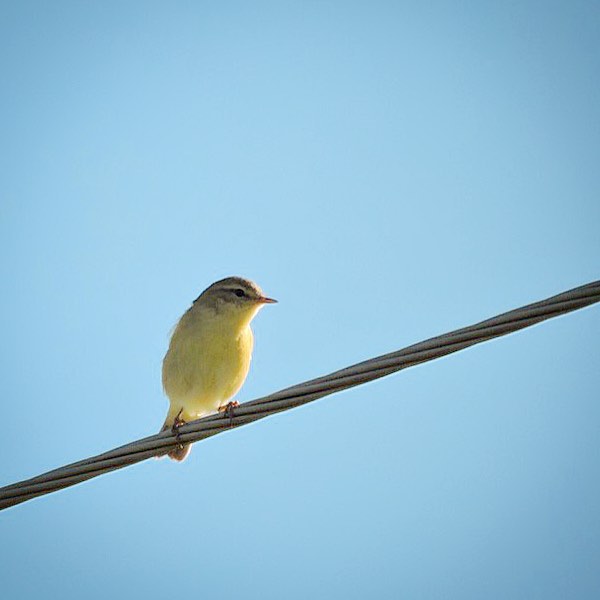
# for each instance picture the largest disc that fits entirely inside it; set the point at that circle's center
(160, 444)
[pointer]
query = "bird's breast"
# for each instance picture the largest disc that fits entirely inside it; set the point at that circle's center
(224, 363)
(206, 365)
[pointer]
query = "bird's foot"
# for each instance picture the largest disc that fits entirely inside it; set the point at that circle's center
(228, 410)
(177, 423)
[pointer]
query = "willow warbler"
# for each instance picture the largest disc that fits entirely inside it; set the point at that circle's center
(209, 354)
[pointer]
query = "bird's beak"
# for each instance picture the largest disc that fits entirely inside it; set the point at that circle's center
(263, 300)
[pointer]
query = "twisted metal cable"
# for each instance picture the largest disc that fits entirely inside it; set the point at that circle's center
(160, 444)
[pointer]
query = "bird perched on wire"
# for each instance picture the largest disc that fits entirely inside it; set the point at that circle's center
(209, 354)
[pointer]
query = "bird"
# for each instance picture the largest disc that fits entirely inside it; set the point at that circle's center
(209, 353)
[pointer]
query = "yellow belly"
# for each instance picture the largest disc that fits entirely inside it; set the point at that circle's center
(205, 366)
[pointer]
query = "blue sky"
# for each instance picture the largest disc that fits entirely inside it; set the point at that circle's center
(389, 171)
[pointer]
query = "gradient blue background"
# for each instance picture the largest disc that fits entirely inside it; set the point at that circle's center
(389, 171)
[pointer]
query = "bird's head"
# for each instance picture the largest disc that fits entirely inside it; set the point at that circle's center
(234, 297)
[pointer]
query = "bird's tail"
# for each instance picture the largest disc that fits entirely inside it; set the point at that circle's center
(182, 450)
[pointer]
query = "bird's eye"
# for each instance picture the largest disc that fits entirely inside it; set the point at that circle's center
(239, 293)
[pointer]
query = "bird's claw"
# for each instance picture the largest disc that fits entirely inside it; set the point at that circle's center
(228, 410)
(177, 423)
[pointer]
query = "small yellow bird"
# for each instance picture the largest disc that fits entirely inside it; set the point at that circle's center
(210, 351)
